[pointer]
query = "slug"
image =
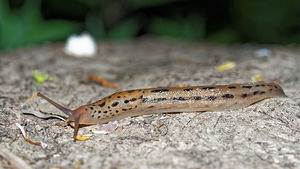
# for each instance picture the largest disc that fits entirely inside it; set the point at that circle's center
(167, 100)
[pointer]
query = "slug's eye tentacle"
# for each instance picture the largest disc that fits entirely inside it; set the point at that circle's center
(68, 112)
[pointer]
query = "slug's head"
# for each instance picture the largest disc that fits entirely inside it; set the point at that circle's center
(78, 116)
(85, 116)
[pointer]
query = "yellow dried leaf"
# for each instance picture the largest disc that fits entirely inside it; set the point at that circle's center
(226, 66)
(31, 97)
(83, 137)
(257, 77)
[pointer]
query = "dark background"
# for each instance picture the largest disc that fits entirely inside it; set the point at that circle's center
(26, 22)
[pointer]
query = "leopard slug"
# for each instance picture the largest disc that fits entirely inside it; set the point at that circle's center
(167, 100)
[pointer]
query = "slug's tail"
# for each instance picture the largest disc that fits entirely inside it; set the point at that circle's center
(68, 112)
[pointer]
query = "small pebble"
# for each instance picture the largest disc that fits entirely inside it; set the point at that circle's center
(262, 52)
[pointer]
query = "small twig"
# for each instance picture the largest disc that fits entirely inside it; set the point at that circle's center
(101, 81)
(42, 115)
(41, 144)
(217, 122)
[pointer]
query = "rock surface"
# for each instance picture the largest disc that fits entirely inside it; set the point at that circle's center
(264, 135)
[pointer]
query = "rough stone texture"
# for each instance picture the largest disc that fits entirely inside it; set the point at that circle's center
(264, 135)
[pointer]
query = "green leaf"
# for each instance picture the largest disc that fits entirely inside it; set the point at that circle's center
(40, 78)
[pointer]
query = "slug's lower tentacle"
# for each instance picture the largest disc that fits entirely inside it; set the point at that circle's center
(76, 127)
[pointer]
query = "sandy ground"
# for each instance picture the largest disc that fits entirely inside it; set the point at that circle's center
(264, 135)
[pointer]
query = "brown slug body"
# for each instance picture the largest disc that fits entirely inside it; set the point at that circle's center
(167, 100)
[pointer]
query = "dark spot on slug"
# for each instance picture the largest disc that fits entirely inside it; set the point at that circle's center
(117, 111)
(275, 86)
(244, 95)
(99, 117)
(248, 87)
(131, 100)
(86, 109)
(109, 96)
(255, 93)
(93, 115)
(135, 106)
(130, 108)
(211, 97)
(124, 109)
(112, 115)
(263, 92)
(178, 98)
(92, 108)
(99, 111)
(160, 90)
(186, 90)
(231, 87)
(150, 107)
(269, 85)
(207, 88)
(102, 104)
(159, 99)
(141, 96)
(145, 100)
(108, 107)
(270, 90)
(130, 91)
(228, 96)
(109, 110)
(197, 98)
(263, 85)
(119, 96)
(114, 104)
(105, 111)
(257, 85)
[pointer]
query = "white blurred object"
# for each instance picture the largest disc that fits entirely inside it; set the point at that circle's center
(22, 129)
(81, 46)
(262, 52)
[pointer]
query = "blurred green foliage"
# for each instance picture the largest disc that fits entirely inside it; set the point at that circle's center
(26, 26)
(26, 22)
(191, 27)
(268, 21)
